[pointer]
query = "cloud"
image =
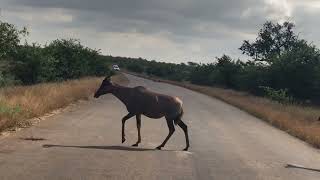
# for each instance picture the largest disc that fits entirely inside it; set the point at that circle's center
(168, 30)
(44, 16)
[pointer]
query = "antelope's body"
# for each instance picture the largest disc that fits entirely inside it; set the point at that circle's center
(141, 101)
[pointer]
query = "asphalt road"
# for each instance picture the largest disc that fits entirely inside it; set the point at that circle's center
(85, 143)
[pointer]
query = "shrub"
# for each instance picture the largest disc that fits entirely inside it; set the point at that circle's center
(60, 60)
(26, 62)
(135, 67)
(72, 60)
(281, 95)
(7, 80)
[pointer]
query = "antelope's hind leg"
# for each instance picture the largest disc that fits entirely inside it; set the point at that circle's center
(171, 131)
(184, 127)
(138, 118)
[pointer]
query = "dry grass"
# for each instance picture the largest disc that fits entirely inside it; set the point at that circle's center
(19, 103)
(298, 121)
(301, 122)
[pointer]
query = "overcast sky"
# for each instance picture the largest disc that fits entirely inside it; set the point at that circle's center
(164, 30)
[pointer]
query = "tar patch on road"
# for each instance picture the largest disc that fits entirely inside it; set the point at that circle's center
(33, 139)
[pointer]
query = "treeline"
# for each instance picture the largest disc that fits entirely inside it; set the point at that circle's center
(281, 66)
(61, 59)
(178, 72)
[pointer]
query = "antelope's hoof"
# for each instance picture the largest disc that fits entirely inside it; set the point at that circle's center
(135, 145)
(123, 140)
(186, 149)
(159, 147)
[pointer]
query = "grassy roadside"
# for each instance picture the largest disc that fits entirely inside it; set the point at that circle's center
(20, 103)
(301, 122)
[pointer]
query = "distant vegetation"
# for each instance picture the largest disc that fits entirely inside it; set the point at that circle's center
(280, 66)
(61, 59)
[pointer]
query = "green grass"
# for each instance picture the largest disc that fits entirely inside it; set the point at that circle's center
(8, 110)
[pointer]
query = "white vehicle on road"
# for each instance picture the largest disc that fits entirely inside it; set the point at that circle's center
(115, 67)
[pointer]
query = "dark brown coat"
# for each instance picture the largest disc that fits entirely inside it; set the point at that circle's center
(139, 100)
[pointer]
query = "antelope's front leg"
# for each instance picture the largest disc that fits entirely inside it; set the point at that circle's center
(138, 118)
(124, 119)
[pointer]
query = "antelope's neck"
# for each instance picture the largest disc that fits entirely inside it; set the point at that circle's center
(122, 93)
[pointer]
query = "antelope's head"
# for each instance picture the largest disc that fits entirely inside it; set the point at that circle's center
(105, 87)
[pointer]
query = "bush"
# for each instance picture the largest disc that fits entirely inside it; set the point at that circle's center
(222, 73)
(60, 60)
(281, 95)
(7, 80)
(199, 74)
(70, 59)
(26, 62)
(298, 71)
(135, 67)
(250, 76)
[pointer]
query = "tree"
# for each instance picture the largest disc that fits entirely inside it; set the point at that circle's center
(273, 40)
(193, 64)
(298, 71)
(73, 60)
(25, 65)
(10, 38)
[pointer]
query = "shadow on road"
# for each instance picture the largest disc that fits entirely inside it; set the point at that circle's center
(121, 148)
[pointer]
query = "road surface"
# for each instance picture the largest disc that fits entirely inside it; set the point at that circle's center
(85, 143)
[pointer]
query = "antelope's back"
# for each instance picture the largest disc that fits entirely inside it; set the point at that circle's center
(152, 101)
